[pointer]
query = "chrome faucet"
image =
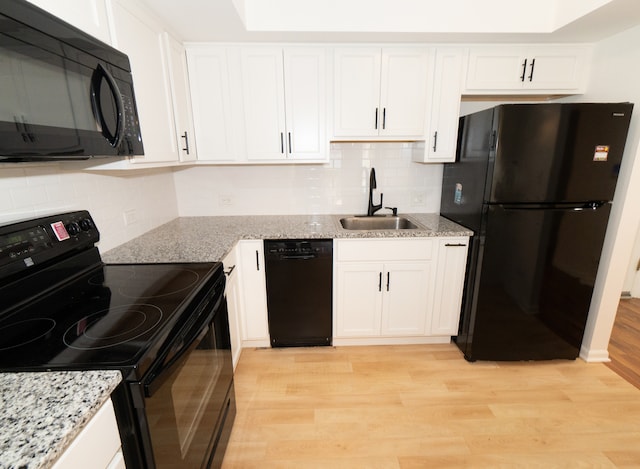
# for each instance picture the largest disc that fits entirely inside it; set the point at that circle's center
(371, 209)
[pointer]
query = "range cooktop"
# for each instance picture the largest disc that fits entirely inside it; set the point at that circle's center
(109, 317)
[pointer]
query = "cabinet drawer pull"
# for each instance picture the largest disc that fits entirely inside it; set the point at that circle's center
(186, 142)
(388, 280)
(384, 118)
(281, 142)
(435, 140)
(533, 64)
(524, 70)
(228, 272)
(376, 127)
(380, 282)
(257, 260)
(455, 245)
(289, 142)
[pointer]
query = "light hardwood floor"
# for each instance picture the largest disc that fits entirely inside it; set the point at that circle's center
(624, 346)
(426, 407)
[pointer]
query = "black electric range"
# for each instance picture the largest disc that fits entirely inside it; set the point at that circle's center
(62, 308)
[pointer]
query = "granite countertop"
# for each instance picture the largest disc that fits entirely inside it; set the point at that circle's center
(209, 239)
(42, 412)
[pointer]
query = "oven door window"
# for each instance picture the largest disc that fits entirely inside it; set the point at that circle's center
(183, 412)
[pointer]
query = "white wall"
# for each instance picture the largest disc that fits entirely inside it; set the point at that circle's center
(148, 197)
(338, 187)
(614, 78)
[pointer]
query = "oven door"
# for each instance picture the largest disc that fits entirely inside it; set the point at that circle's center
(188, 397)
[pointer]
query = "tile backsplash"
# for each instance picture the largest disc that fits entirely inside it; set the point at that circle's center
(127, 204)
(341, 186)
(123, 205)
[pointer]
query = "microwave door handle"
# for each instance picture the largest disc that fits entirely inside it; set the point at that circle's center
(99, 74)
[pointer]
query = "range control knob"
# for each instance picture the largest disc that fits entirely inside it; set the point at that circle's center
(73, 228)
(85, 224)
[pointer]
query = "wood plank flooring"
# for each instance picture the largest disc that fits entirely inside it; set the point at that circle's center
(624, 346)
(426, 407)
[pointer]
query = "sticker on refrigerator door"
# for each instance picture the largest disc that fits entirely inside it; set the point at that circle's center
(601, 153)
(457, 197)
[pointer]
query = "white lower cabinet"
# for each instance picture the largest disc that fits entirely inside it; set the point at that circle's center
(97, 445)
(253, 317)
(233, 293)
(450, 272)
(397, 290)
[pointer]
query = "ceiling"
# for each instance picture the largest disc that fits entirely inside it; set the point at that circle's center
(396, 20)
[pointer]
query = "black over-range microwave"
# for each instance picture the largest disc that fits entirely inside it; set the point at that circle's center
(63, 94)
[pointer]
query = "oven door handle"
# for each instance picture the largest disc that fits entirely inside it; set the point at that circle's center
(181, 347)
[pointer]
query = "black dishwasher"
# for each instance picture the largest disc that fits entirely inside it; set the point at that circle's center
(299, 275)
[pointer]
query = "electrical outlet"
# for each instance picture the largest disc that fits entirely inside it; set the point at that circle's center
(130, 217)
(225, 200)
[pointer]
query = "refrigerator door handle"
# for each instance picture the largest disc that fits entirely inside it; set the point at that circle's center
(576, 207)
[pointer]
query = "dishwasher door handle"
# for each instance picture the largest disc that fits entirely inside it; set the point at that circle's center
(302, 257)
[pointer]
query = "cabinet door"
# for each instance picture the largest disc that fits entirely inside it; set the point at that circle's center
(234, 303)
(442, 136)
(359, 299)
(304, 80)
(264, 111)
(357, 92)
(452, 262)
(532, 70)
(403, 92)
(210, 98)
(141, 38)
(88, 15)
(255, 326)
(180, 97)
(557, 68)
(407, 298)
(496, 68)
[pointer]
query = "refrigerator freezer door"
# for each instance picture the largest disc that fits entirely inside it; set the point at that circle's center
(557, 152)
(534, 279)
(463, 182)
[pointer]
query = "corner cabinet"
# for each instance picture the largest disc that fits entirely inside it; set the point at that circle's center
(444, 108)
(181, 99)
(380, 92)
(284, 103)
(527, 69)
(394, 291)
(212, 102)
(139, 35)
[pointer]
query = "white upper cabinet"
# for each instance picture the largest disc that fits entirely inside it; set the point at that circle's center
(380, 92)
(138, 35)
(527, 70)
(284, 103)
(87, 15)
(211, 102)
(444, 108)
(180, 98)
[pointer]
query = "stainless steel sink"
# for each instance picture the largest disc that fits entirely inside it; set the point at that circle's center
(377, 223)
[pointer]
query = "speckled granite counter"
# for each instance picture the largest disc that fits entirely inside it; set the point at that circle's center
(42, 412)
(206, 239)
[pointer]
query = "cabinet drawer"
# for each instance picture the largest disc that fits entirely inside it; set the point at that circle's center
(366, 249)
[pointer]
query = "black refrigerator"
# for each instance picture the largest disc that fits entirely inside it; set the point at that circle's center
(535, 183)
